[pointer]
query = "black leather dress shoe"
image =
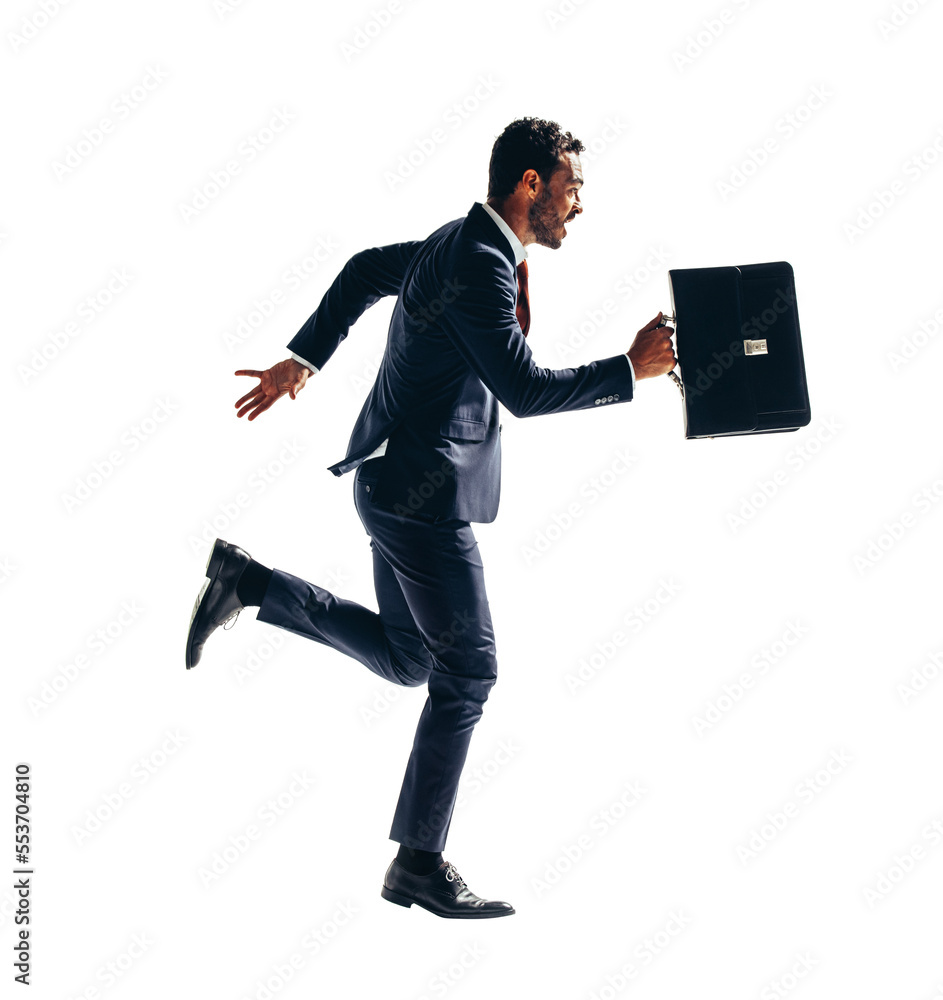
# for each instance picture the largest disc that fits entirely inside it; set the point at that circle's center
(443, 893)
(217, 602)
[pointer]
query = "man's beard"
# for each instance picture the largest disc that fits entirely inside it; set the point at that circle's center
(544, 221)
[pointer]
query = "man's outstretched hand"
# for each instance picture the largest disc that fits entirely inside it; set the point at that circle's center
(652, 352)
(287, 376)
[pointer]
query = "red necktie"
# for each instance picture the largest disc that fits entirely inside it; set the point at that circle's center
(523, 302)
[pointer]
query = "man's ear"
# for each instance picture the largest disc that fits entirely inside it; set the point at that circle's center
(531, 183)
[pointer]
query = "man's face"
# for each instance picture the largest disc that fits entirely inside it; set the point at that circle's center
(557, 203)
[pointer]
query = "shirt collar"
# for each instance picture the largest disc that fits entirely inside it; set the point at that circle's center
(519, 252)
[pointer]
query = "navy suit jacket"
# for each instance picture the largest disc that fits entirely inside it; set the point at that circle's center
(454, 351)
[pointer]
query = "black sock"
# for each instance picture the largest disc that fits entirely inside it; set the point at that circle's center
(418, 862)
(251, 586)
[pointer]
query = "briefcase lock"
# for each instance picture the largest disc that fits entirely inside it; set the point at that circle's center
(754, 347)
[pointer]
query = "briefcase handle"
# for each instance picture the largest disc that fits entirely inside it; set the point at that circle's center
(665, 320)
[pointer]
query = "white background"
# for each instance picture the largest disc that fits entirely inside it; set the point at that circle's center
(123, 460)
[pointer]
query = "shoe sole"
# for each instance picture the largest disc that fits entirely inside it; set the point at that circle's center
(213, 565)
(401, 900)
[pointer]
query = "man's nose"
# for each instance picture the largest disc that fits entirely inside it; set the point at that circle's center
(577, 207)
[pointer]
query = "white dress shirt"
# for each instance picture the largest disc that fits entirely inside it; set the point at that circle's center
(519, 254)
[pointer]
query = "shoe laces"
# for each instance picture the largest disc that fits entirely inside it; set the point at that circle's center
(451, 875)
(231, 620)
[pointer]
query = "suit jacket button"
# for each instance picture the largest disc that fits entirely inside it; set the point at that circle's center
(597, 402)
(368, 489)
(610, 399)
(616, 396)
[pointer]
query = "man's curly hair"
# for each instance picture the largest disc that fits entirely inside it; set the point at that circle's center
(527, 143)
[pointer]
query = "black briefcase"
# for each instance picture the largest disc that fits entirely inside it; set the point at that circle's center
(739, 349)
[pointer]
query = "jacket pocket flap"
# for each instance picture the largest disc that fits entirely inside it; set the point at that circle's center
(463, 429)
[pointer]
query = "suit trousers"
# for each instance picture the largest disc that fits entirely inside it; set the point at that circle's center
(433, 627)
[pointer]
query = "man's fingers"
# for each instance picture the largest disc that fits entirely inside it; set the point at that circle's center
(252, 393)
(651, 324)
(250, 399)
(261, 408)
(251, 405)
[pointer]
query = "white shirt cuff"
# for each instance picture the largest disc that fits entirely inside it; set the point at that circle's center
(308, 364)
(632, 370)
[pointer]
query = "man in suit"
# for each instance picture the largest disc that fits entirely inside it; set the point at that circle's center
(427, 450)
